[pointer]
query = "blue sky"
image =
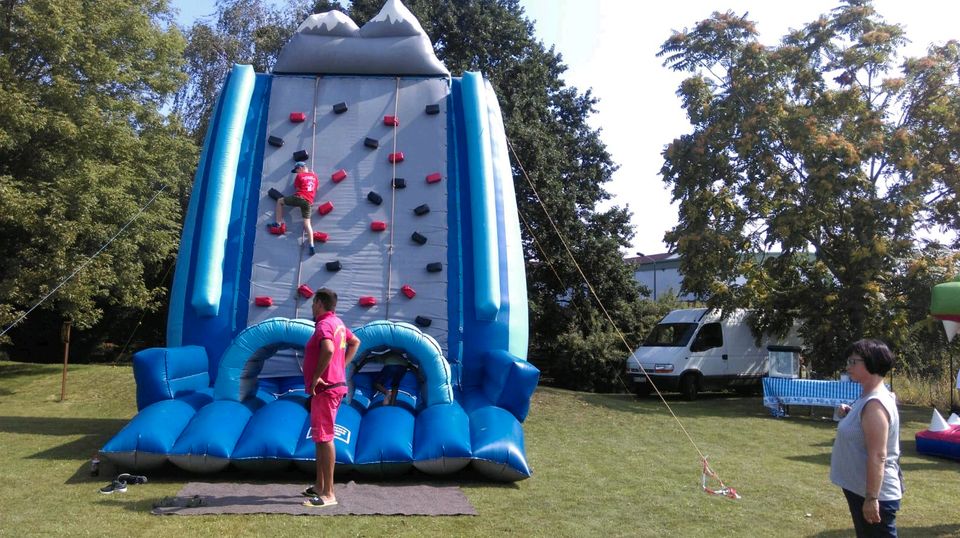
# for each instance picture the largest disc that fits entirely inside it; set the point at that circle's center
(611, 49)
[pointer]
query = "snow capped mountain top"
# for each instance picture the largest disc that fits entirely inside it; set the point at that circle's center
(394, 20)
(331, 43)
(332, 23)
(393, 11)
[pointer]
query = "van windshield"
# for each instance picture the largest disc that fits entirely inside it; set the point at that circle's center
(671, 335)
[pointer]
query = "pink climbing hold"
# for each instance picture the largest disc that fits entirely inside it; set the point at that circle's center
(434, 177)
(305, 291)
(391, 121)
(396, 157)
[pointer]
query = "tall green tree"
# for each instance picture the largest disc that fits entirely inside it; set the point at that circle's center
(245, 32)
(825, 147)
(83, 146)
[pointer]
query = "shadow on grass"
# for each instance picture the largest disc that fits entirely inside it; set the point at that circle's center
(10, 370)
(712, 404)
(94, 431)
(907, 448)
(816, 459)
(934, 530)
(717, 404)
(61, 426)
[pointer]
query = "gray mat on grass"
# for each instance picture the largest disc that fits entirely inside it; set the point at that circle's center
(200, 498)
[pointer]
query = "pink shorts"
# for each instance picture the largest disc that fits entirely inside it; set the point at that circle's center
(323, 413)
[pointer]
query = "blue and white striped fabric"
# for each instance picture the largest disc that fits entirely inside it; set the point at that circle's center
(778, 391)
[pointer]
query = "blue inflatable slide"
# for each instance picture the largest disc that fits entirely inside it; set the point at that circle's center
(416, 228)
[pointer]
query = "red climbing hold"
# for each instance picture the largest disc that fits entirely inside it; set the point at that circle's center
(408, 291)
(339, 175)
(320, 236)
(297, 117)
(305, 291)
(325, 208)
(378, 226)
(434, 177)
(263, 300)
(391, 121)
(277, 230)
(368, 301)
(396, 157)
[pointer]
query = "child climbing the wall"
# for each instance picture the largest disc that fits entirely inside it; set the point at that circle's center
(305, 184)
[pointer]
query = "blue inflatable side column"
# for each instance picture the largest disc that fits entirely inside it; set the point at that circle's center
(497, 381)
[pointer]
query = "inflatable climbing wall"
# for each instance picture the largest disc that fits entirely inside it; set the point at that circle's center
(415, 227)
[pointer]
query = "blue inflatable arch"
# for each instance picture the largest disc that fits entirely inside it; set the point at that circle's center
(422, 350)
(243, 360)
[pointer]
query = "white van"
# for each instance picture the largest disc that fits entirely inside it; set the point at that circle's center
(694, 350)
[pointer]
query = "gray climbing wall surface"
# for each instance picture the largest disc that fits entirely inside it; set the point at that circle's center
(375, 264)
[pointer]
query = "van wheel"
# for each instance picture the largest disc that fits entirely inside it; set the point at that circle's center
(689, 386)
(643, 390)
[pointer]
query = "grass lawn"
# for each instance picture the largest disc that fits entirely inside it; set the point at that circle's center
(603, 465)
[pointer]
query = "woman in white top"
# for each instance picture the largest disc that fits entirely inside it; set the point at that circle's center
(866, 454)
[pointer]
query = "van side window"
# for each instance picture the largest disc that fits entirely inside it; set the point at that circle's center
(709, 337)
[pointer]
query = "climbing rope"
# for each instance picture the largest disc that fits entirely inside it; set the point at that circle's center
(86, 263)
(706, 470)
(313, 160)
(393, 199)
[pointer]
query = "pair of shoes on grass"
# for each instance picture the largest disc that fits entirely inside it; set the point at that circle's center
(114, 487)
(132, 479)
(119, 484)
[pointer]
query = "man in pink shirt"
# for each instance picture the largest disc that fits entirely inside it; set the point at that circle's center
(305, 184)
(325, 360)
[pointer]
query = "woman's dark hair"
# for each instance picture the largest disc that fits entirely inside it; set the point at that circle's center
(877, 357)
